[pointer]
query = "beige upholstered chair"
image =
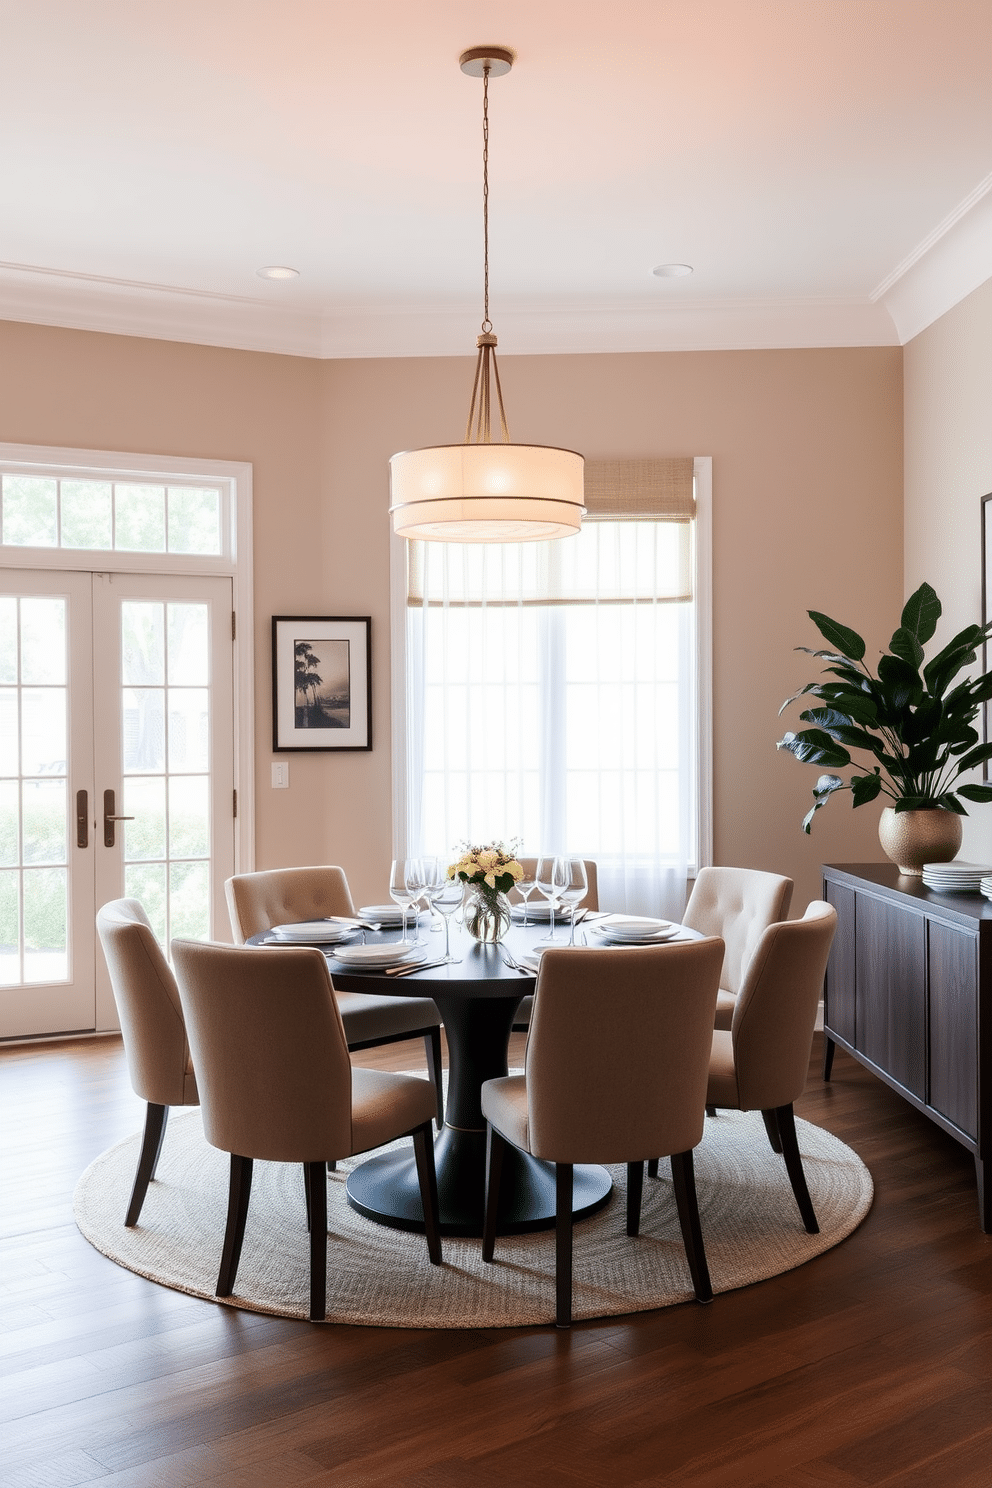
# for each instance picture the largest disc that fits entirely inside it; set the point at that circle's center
(737, 904)
(276, 1083)
(282, 896)
(762, 1063)
(152, 1027)
(608, 1090)
(521, 1018)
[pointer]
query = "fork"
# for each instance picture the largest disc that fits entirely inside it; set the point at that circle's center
(509, 961)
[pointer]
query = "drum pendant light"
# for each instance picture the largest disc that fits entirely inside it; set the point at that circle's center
(486, 490)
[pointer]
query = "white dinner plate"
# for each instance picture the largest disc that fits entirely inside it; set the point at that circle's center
(538, 911)
(314, 932)
(644, 935)
(386, 914)
(378, 956)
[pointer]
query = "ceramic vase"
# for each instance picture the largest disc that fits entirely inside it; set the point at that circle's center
(912, 838)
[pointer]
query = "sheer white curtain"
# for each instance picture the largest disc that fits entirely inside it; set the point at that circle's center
(551, 697)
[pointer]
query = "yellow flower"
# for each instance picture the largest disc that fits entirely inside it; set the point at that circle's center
(490, 879)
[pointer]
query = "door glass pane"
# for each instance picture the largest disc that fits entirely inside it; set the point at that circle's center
(43, 731)
(43, 641)
(44, 816)
(139, 513)
(33, 794)
(8, 639)
(144, 729)
(189, 735)
(146, 882)
(29, 512)
(46, 957)
(144, 799)
(143, 642)
(189, 899)
(189, 821)
(10, 937)
(87, 514)
(189, 658)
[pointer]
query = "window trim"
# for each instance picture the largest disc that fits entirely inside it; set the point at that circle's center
(235, 562)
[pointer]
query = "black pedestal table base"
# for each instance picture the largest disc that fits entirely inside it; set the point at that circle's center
(477, 1020)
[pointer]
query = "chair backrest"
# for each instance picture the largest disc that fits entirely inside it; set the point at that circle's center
(773, 1022)
(737, 904)
(591, 898)
(619, 1049)
(283, 896)
(148, 1005)
(269, 1049)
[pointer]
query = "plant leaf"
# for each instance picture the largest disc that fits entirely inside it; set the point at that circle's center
(902, 684)
(865, 788)
(975, 757)
(905, 644)
(975, 792)
(814, 747)
(921, 613)
(959, 650)
(847, 641)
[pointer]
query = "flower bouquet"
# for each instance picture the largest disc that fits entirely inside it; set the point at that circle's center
(489, 874)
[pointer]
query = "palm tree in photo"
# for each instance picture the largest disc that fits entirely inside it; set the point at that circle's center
(306, 680)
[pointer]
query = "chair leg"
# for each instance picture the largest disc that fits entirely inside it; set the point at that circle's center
(423, 1146)
(711, 1110)
(635, 1186)
(563, 1245)
(653, 1167)
(684, 1180)
(315, 1181)
(151, 1146)
(771, 1128)
(332, 1166)
(495, 1147)
(238, 1194)
(432, 1047)
(794, 1167)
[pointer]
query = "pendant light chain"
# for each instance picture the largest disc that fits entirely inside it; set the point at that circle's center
(487, 324)
(478, 430)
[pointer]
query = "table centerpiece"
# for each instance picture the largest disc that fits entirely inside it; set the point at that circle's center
(488, 873)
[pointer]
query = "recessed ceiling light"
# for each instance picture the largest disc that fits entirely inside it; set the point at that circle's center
(672, 271)
(277, 271)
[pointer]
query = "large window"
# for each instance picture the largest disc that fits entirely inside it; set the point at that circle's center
(553, 692)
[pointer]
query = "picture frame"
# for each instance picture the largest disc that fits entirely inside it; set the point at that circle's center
(321, 682)
(986, 617)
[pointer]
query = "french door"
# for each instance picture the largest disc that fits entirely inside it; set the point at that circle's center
(116, 777)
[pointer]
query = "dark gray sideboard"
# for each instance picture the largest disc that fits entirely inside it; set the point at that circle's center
(909, 994)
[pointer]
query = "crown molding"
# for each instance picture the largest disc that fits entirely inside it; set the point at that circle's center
(944, 268)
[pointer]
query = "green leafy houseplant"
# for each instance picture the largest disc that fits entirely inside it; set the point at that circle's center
(915, 722)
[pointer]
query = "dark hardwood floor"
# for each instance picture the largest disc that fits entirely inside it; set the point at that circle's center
(871, 1365)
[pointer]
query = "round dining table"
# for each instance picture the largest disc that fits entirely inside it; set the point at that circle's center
(477, 996)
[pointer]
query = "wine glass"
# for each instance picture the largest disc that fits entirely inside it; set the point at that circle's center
(575, 890)
(445, 898)
(405, 885)
(552, 878)
(527, 883)
(435, 874)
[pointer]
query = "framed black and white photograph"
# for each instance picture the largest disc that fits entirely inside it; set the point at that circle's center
(321, 682)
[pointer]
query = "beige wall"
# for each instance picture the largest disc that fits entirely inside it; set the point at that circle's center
(948, 375)
(807, 478)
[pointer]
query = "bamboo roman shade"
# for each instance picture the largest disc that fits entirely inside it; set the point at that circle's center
(644, 554)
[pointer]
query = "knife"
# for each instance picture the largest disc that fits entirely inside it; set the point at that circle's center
(398, 971)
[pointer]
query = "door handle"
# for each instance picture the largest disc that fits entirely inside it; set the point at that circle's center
(82, 819)
(109, 807)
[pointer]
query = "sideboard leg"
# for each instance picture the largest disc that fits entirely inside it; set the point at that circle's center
(984, 1195)
(828, 1056)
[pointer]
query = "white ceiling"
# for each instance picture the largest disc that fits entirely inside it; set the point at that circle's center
(825, 166)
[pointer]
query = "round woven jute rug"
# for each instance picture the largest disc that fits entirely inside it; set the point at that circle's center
(382, 1277)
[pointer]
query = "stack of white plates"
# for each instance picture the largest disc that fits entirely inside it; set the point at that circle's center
(376, 957)
(538, 913)
(986, 887)
(315, 932)
(388, 915)
(630, 930)
(956, 878)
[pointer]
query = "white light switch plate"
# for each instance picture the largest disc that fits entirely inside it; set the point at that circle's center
(280, 775)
